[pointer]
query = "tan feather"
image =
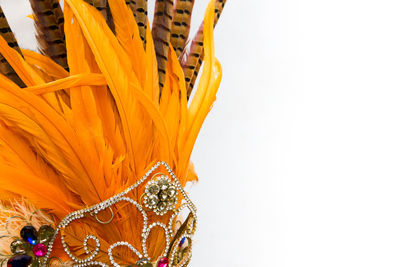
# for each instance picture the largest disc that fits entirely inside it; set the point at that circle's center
(192, 58)
(5, 67)
(64, 157)
(161, 32)
(49, 23)
(102, 6)
(139, 9)
(181, 24)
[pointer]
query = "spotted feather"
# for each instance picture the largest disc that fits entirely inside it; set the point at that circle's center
(102, 6)
(139, 9)
(181, 24)
(49, 23)
(192, 57)
(7, 34)
(161, 32)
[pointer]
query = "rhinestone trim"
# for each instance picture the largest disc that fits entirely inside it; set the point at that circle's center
(107, 204)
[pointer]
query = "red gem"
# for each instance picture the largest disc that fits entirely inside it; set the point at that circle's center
(39, 250)
(163, 262)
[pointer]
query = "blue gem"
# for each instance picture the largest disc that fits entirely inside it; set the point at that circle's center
(182, 242)
(32, 241)
(29, 234)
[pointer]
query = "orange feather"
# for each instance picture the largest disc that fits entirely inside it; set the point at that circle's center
(73, 139)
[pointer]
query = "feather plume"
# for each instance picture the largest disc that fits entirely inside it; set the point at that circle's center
(24, 212)
(44, 63)
(128, 35)
(102, 6)
(139, 9)
(181, 24)
(27, 73)
(161, 32)
(192, 58)
(63, 152)
(205, 94)
(7, 34)
(49, 23)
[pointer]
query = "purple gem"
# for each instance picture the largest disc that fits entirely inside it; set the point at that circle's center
(19, 261)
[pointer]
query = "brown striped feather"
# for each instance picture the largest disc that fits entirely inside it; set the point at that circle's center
(191, 60)
(49, 23)
(7, 34)
(102, 6)
(193, 56)
(139, 9)
(161, 32)
(181, 24)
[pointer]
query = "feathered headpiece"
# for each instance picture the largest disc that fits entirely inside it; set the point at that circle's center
(96, 133)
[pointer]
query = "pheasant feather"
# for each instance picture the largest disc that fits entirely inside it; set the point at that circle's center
(7, 34)
(139, 9)
(193, 56)
(49, 22)
(60, 153)
(102, 6)
(181, 24)
(161, 32)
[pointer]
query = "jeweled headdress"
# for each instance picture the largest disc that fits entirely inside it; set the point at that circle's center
(97, 130)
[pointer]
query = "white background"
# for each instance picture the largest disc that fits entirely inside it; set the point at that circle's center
(299, 159)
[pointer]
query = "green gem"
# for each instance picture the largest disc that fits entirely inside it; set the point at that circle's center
(162, 206)
(171, 191)
(154, 189)
(19, 246)
(35, 263)
(153, 200)
(179, 255)
(143, 263)
(163, 183)
(171, 201)
(163, 195)
(45, 234)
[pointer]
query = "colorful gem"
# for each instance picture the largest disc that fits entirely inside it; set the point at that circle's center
(29, 234)
(19, 246)
(182, 242)
(45, 234)
(163, 262)
(19, 261)
(39, 250)
(143, 263)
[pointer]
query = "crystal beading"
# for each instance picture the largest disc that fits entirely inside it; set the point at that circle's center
(107, 204)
